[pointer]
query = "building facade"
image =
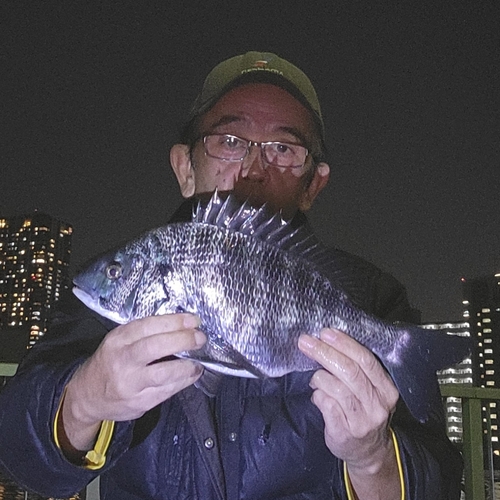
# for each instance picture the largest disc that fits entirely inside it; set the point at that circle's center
(35, 254)
(482, 311)
(460, 373)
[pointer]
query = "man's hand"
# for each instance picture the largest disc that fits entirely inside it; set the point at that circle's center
(357, 398)
(121, 380)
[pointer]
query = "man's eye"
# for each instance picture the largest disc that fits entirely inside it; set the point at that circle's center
(282, 148)
(231, 142)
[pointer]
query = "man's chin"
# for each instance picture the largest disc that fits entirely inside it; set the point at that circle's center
(251, 197)
(254, 198)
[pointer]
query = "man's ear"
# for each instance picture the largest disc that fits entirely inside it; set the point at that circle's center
(180, 159)
(318, 182)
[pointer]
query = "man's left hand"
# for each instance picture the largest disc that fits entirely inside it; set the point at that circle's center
(356, 397)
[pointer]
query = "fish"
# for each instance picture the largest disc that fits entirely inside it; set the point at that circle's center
(257, 283)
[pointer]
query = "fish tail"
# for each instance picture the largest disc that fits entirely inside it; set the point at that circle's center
(413, 363)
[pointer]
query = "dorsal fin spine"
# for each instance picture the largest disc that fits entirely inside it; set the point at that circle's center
(258, 223)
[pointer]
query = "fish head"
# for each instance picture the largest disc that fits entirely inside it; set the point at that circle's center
(109, 285)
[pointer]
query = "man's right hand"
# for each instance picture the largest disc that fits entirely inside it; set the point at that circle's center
(120, 381)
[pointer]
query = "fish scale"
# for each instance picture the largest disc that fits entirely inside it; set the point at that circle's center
(257, 285)
(258, 298)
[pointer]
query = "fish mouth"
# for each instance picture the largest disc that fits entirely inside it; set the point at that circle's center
(94, 304)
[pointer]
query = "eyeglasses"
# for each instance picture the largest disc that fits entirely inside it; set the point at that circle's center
(228, 147)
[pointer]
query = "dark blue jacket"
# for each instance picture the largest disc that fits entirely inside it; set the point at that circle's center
(257, 439)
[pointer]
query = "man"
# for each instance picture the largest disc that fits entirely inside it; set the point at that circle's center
(88, 402)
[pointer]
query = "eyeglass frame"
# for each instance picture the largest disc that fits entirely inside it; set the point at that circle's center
(261, 144)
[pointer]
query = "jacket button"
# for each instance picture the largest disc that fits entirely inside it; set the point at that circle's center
(232, 436)
(209, 443)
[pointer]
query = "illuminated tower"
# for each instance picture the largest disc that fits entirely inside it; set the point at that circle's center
(34, 270)
(460, 373)
(482, 311)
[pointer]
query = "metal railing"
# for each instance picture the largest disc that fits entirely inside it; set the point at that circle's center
(472, 437)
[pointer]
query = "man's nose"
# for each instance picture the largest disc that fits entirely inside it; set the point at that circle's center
(253, 166)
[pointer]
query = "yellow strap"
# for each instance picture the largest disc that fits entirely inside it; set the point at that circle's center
(95, 458)
(350, 492)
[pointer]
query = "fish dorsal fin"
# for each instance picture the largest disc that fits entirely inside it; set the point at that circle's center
(262, 225)
(230, 214)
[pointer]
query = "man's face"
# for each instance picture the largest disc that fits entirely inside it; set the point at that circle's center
(261, 113)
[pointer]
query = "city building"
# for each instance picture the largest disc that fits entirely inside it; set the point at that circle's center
(482, 311)
(34, 273)
(460, 373)
(34, 270)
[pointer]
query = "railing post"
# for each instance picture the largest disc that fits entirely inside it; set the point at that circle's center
(8, 369)
(473, 437)
(473, 449)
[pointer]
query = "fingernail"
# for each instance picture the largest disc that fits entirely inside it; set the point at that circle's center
(306, 341)
(328, 335)
(200, 338)
(191, 321)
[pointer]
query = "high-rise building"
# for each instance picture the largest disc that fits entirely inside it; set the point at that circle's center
(460, 373)
(482, 311)
(34, 270)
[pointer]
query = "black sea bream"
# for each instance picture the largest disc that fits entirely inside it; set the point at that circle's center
(256, 284)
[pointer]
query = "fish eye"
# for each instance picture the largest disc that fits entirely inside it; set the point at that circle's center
(114, 271)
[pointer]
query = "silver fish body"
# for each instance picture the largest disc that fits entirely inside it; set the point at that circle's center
(253, 282)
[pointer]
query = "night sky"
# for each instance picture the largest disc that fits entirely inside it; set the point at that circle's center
(93, 94)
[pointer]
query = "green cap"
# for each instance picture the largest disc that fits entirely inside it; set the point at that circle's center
(262, 67)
